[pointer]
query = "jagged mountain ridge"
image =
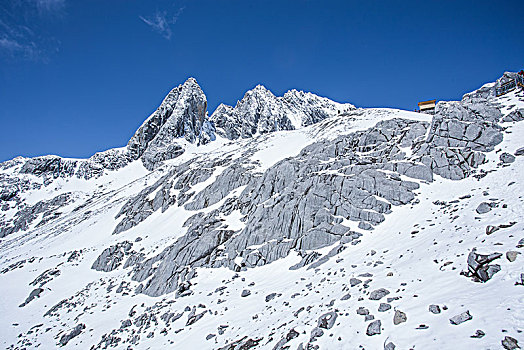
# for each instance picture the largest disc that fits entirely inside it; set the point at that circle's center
(261, 112)
(237, 208)
(182, 115)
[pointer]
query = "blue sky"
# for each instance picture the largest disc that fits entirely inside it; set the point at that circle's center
(77, 77)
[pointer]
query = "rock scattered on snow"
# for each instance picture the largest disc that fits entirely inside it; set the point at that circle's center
(479, 268)
(434, 309)
(327, 320)
(74, 332)
(378, 294)
(35, 293)
(384, 307)
(512, 255)
(399, 317)
(507, 158)
(520, 152)
(478, 334)
(460, 318)
(510, 343)
(374, 328)
(483, 208)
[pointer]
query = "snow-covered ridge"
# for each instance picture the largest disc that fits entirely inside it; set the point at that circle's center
(260, 112)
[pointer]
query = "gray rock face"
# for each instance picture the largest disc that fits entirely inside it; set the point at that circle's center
(35, 293)
(112, 257)
(193, 316)
(460, 318)
(271, 296)
(182, 114)
(285, 208)
(26, 215)
(479, 268)
(515, 116)
(478, 334)
(374, 328)
(459, 133)
(315, 333)
(74, 333)
(292, 334)
(244, 343)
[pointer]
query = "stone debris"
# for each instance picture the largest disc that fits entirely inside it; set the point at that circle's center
(510, 343)
(507, 158)
(483, 208)
(74, 332)
(378, 294)
(35, 293)
(399, 317)
(512, 255)
(389, 346)
(460, 318)
(478, 334)
(434, 309)
(479, 268)
(384, 307)
(374, 328)
(327, 320)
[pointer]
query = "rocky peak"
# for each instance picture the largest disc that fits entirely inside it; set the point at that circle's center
(182, 114)
(260, 111)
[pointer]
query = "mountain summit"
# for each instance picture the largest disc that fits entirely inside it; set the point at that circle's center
(182, 114)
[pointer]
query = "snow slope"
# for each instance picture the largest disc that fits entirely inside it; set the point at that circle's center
(417, 253)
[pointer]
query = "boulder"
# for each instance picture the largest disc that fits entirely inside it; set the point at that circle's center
(434, 309)
(378, 294)
(460, 318)
(374, 328)
(399, 317)
(510, 343)
(507, 158)
(479, 268)
(483, 208)
(512, 255)
(327, 320)
(74, 332)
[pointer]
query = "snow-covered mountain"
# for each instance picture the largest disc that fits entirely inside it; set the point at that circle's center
(261, 112)
(290, 222)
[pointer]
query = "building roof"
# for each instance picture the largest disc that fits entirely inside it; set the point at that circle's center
(424, 103)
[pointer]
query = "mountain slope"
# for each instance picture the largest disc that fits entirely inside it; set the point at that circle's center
(309, 230)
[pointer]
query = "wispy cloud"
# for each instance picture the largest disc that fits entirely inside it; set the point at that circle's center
(162, 21)
(49, 6)
(15, 48)
(21, 35)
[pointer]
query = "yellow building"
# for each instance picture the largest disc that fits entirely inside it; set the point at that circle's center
(427, 106)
